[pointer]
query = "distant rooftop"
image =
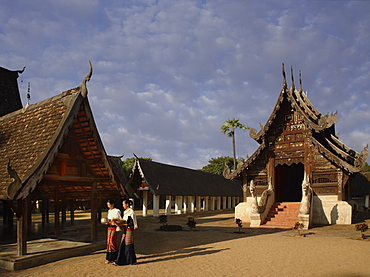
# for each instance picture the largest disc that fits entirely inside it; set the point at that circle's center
(9, 92)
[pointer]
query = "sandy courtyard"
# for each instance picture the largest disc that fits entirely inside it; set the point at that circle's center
(213, 248)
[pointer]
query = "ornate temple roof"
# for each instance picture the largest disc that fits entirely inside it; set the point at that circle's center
(30, 139)
(322, 127)
(164, 179)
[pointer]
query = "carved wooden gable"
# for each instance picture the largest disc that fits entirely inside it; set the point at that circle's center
(297, 133)
(54, 146)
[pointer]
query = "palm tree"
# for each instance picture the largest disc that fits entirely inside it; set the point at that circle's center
(229, 129)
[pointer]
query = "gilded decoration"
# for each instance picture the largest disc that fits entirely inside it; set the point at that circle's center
(297, 133)
(289, 161)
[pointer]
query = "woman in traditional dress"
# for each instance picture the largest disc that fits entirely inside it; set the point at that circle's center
(126, 253)
(112, 243)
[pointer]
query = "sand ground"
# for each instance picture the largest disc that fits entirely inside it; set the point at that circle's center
(214, 248)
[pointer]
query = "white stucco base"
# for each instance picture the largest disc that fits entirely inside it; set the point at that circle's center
(328, 210)
(243, 211)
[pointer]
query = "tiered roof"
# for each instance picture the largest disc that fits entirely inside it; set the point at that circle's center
(30, 139)
(322, 127)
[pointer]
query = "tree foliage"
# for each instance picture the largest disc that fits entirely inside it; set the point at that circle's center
(229, 129)
(366, 168)
(217, 165)
(129, 163)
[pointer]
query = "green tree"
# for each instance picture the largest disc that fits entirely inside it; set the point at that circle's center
(229, 129)
(217, 165)
(366, 168)
(129, 163)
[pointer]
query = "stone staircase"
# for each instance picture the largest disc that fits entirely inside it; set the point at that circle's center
(282, 215)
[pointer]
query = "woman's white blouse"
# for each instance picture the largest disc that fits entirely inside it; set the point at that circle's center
(130, 212)
(114, 214)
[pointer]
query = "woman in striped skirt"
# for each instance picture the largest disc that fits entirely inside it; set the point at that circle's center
(112, 243)
(126, 253)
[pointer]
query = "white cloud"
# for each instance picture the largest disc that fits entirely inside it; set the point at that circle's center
(167, 74)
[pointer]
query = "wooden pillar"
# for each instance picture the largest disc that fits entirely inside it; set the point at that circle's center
(47, 211)
(178, 203)
(198, 203)
(168, 205)
(29, 214)
(229, 202)
(5, 214)
(22, 226)
(340, 185)
(185, 204)
(42, 210)
(8, 217)
(367, 198)
(191, 204)
(233, 200)
(206, 204)
(94, 210)
(218, 203)
(99, 213)
(72, 211)
(213, 203)
(271, 172)
(64, 214)
(224, 202)
(155, 205)
(56, 212)
(145, 203)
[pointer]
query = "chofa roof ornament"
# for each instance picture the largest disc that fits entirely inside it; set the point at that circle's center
(291, 75)
(284, 77)
(12, 189)
(86, 79)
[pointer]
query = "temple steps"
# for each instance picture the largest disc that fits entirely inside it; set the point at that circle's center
(282, 215)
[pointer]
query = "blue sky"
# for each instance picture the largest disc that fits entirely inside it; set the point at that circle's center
(167, 74)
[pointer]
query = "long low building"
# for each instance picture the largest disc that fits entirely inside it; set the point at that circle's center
(182, 189)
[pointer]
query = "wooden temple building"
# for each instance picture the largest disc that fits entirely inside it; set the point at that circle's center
(51, 153)
(301, 171)
(181, 190)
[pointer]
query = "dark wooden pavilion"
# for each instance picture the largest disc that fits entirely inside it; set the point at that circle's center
(300, 160)
(189, 189)
(51, 152)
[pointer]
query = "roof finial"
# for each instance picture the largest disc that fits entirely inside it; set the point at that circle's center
(291, 74)
(300, 81)
(29, 93)
(284, 81)
(21, 71)
(86, 79)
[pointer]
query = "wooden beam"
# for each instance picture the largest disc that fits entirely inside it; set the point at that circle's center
(64, 214)
(43, 212)
(72, 211)
(56, 212)
(47, 210)
(75, 179)
(29, 213)
(8, 217)
(94, 209)
(22, 227)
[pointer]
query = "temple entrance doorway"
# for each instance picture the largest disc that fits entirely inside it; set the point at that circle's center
(288, 182)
